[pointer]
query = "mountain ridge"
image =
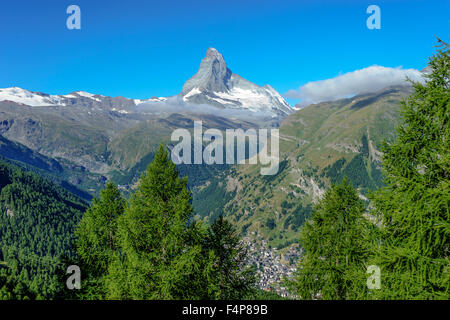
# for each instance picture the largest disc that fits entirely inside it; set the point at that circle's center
(214, 84)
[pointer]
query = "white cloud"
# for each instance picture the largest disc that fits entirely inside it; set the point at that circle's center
(370, 79)
(176, 104)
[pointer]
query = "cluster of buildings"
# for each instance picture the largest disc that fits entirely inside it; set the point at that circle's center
(272, 266)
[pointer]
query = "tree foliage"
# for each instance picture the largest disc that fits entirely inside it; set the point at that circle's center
(160, 254)
(336, 244)
(233, 279)
(414, 205)
(37, 222)
(96, 239)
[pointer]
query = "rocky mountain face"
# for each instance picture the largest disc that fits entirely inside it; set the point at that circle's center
(76, 133)
(16, 151)
(215, 84)
(73, 178)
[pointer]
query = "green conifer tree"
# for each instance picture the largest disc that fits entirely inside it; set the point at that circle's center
(414, 206)
(233, 278)
(160, 250)
(96, 239)
(336, 244)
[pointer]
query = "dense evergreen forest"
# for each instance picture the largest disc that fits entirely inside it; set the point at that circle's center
(37, 222)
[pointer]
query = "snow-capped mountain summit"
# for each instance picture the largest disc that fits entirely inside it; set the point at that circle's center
(215, 84)
(213, 75)
(77, 98)
(29, 98)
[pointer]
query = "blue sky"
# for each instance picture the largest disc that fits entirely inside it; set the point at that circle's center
(140, 49)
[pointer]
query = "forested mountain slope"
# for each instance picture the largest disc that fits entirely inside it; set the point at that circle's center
(37, 220)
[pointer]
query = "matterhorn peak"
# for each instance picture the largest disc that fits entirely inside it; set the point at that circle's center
(212, 75)
(216, 85)
(213, 53)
